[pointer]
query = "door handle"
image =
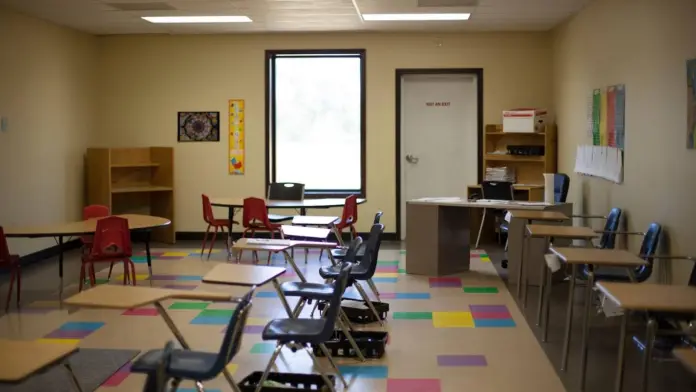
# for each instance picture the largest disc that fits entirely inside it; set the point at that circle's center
(411, 159)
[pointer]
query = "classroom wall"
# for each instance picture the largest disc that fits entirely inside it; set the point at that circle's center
(47, 93)
(643, 44)
(145, 80)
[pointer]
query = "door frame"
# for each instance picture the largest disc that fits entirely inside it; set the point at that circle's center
(399, 72)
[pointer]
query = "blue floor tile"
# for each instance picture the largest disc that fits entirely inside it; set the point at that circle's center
(266, 294)
(494, 323)
(189, 277)
(211, 320)
(412, 295)
(384, 280)
(364, 371)
(81, 326)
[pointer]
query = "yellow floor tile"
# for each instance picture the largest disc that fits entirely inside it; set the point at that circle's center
(453, 320)
(63, 341)
(386, 275)
(178, 254)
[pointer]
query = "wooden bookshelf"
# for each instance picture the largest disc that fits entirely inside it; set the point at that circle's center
(133, 180)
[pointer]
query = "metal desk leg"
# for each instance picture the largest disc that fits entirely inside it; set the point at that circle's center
(60, 264)
(283, 300)
(622, 352)
(148, 255)
(569, 318)
(542, 287)
(647, 355)
(547, 308)
(586, 326)
(289, 259)
(73, 378)
(521, 266)
(230, 217)
(172, 327)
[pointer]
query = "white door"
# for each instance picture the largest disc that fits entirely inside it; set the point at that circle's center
(439, 144)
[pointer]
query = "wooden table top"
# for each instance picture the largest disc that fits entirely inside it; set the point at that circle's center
(539, 215)
(649, 296)
(687, 356)
(129, 297)
(242, 274)
(238, 202)
(22, 358)
(305, 232)
(606, 257)
(278, 245)
(494, 204)
(135, 222)
(309, 220)
(557, 231)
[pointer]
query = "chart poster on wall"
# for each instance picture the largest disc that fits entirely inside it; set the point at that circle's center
(691, 104)
(608, 116)
(236, 159)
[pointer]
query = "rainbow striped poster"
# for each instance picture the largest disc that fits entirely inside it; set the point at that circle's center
(235, 160)
(608, 116)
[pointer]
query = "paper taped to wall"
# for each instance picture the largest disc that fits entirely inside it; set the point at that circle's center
(600, 161)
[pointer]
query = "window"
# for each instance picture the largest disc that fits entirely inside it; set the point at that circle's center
(315, 107)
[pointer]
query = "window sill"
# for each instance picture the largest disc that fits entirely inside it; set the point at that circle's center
(331, 194)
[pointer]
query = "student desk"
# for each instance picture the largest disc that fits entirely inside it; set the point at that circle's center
(646, 297)
(440, 231)
(592, 257)
(687, 356)
(22, 359)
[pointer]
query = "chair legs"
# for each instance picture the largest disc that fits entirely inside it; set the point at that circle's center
(15, 274)
(317, 365)
(483, 220)
(205, 240)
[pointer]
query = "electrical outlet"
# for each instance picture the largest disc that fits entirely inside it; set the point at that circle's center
(3, 124)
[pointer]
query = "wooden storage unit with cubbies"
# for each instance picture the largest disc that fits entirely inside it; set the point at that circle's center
(135, 181)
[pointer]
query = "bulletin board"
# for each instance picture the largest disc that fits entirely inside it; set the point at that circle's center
(236, 158)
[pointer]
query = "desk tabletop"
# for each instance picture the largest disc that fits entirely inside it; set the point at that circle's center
(557, 231)
(305, 232)
(242, 275)
(278, 245)
(129, 297)
(22, 358)
(539, 215)
(238, 202)
(483, 203)
(135, 222)
(309, 220)
(606, 257)
(516, 186)
(687, 356)
(649, 296)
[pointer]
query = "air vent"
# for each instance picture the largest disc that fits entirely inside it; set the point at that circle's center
(154, 6)
(447, 3)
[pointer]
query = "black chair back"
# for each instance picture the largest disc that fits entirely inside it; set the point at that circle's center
(611, 226)
(378, 216)
(692, 278)
(286, 191)
(497, 190)
(353, 249)
(561, 184)
(339, 285)
(368, 263)
(647, 249)
(157, 381)
(232, 340)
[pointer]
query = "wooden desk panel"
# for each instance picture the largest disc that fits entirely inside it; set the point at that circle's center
(599, 257)
(555, 231)
(242, 275)
(22, 358)
(687, 356)
(649, 296)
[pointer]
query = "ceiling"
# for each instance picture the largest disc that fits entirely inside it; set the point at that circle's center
(104, 17)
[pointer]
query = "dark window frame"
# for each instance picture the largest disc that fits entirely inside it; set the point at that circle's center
(270, 131)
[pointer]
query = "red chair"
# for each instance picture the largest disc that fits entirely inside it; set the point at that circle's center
(255, 218)
(111, 244)
(218, 224)
(349, 217)
(12, 263)
(91, 212)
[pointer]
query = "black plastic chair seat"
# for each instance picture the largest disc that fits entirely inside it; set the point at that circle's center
(611, 274)
(273, 218)
(309, 290)
(339, 254)
(294, 330)
(359, 272)
(504, 226)
(186, 364)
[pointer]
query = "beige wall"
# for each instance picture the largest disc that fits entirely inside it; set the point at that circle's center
(47, 93)
(145, 80)
(643, 44)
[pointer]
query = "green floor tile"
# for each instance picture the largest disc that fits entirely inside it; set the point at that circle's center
(383, 263)
(413, 315)
(402, 270)
(263, 348)
(481, 290)
(99, 281)
(217, 312)
(403, 252)
(189, 305)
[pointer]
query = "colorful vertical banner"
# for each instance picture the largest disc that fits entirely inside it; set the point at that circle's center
(603, 119)
(236, 157)
(596, 105)
(611, 117)
(620, 115)
(608, 116)
(691, 104)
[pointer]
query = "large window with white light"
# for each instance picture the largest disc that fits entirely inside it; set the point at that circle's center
(315, 107)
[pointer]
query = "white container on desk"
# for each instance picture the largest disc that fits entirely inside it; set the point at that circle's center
(523, 120)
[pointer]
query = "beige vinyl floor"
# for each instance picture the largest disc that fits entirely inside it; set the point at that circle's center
(462, 333)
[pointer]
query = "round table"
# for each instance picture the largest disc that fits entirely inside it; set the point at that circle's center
(140, 223)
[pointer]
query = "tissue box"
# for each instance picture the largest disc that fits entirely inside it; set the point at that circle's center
(524, 120)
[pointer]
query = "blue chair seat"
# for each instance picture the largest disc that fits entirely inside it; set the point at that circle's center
(290, 330)
(186, 364)
(319, 291)
(273, 218)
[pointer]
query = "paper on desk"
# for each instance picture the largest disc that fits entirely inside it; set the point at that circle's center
(508, 216)
(552, 262)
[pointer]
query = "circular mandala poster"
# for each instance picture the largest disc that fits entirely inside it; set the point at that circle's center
(199, 127)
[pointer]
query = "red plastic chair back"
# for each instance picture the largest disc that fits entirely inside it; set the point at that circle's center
(91, 212)
(4, 248)
(111, 239)
(350, 212)
(256, 213)
(208, 216)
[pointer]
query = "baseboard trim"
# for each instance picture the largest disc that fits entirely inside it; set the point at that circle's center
(47, 253)
(198, 236)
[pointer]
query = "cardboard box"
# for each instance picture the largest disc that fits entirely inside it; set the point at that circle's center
(524, 120)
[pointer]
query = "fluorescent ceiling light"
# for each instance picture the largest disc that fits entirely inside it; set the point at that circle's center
(197, 19)
(415, 17)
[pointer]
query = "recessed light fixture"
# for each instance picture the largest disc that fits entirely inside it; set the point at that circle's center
(415, 17)
(197, 19)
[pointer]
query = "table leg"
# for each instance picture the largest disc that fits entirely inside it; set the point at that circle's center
(647, 355)
(586, 326)
(569, 318)
(521, 266)
(547, 308)
(542, 287)
(622, 352)
(172, 327)
(283, 300)
(60, 264)
(148, 254)
(230, 217)
(73, 378)
(289, 259)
